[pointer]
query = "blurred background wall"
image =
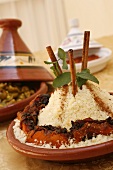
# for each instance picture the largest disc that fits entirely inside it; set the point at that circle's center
(46, 22)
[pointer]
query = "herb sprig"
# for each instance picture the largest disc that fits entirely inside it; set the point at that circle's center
(65, 77)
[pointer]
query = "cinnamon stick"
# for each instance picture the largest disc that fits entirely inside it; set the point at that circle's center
(85, 50)
(53, 59)
(73, 72)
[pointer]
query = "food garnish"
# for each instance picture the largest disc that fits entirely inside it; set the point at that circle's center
(64, 78)
(85, 50)
(73, 72)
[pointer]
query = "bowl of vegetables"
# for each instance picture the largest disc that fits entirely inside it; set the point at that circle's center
(14, 96)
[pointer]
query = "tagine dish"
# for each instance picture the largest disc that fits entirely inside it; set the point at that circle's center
(73, 123)
(14, 96)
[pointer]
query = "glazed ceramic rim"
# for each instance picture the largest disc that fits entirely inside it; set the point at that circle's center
(61, 155)
(97, 64)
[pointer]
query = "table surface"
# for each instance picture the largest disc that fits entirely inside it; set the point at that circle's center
(11, 160)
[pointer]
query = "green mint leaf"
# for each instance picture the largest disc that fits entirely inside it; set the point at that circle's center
(62, 79)
(62, 56)
(50, 62)
(80, 81)
(61, 53)
(54, 70)
(85, 75)
(57, 68)
(64, 66)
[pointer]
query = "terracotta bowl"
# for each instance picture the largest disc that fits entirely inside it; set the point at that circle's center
(9, 112)
(60, 155)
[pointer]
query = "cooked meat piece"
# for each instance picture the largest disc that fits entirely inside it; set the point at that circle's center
(49, 135)
(86, 129)
(29, 116)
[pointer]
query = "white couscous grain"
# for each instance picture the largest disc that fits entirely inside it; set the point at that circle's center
(63, 108)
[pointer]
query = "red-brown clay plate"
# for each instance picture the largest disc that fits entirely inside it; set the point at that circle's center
(60, 155)
(9, 112)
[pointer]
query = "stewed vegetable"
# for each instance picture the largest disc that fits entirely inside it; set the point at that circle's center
(11, 92)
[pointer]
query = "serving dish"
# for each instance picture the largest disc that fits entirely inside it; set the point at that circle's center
(94, 65)
(37, 130)
(9, 112)
(59, 155)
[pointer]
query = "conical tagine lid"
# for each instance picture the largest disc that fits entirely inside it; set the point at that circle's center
(17, 63)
